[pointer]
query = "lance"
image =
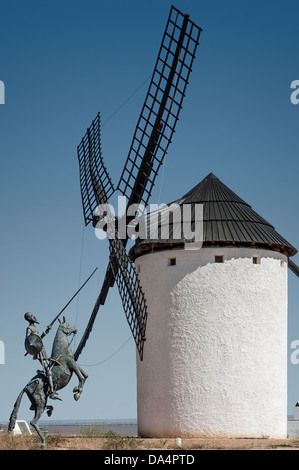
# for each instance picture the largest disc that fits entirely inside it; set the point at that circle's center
(57, 316)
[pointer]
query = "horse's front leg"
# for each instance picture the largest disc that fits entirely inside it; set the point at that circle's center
(82, 376)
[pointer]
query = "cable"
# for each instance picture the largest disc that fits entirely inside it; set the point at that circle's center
(107, 358)
(126, 101)
(79, 281)
(129, 97)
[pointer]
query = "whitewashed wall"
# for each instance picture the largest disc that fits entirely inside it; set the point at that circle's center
(215, 358)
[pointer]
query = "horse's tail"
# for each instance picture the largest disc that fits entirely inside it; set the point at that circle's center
(14, 413)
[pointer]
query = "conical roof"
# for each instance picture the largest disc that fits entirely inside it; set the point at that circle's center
(227, 221)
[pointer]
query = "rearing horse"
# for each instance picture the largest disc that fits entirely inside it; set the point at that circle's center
(37, 388)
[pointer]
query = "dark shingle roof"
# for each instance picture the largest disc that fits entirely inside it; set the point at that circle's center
(227, 220)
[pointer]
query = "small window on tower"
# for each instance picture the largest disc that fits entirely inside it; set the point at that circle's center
(256, 260)
(171, 261)
(218, 258)
(138, 268)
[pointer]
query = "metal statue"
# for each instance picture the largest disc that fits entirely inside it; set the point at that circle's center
(56, 374)
(34, 346)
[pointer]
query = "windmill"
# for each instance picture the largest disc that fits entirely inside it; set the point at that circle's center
(152, 136)
(217, 313)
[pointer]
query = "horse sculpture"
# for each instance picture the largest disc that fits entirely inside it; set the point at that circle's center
(37, 389)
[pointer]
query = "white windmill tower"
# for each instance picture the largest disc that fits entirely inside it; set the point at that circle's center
(215, 356)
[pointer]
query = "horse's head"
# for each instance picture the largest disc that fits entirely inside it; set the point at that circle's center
(67, 328)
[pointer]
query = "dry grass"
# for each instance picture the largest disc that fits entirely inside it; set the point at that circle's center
(114, 441)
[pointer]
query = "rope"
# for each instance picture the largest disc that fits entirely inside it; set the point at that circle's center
(109, 357)
(126, 101)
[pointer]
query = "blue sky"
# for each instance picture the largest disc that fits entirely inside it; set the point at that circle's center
(61, 63)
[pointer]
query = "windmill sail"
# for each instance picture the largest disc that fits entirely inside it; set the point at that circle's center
(108, 282)
(121, 270)
(293, 267)
(161, 108)
(130, 291)
(95, 182)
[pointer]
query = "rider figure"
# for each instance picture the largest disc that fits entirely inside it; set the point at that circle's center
(34, 346)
